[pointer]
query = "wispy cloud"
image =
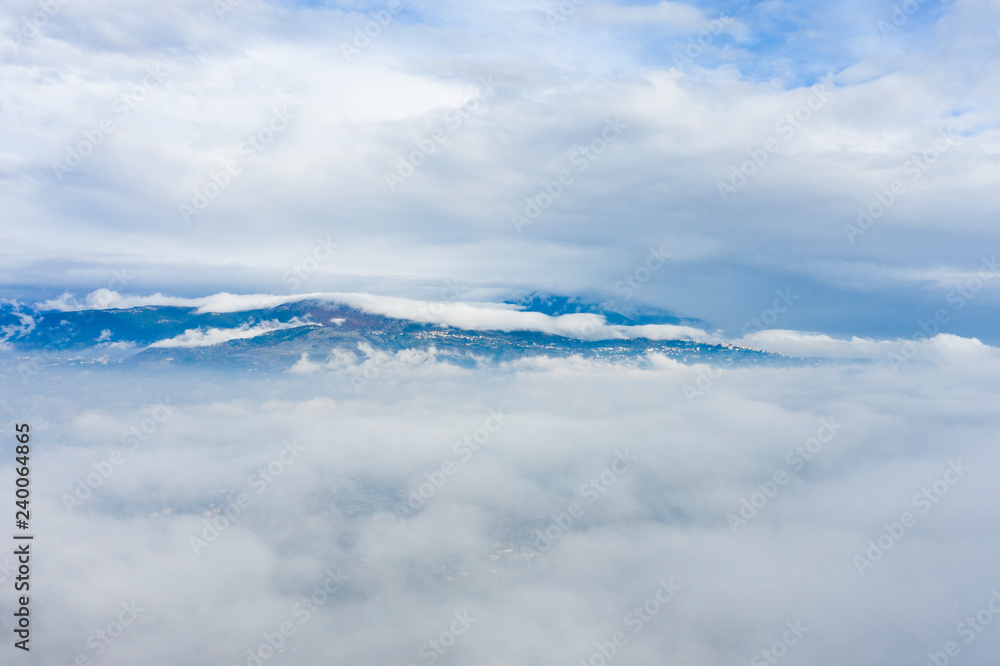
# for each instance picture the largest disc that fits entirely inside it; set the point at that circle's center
(214, 336)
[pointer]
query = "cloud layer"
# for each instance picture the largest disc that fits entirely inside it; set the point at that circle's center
(859, 144)
(546, 499)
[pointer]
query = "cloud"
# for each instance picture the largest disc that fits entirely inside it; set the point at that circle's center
(214, 336)
(939, 347)
(106, 299)
(691, 124)
(304, 366)
(925, 337)
(496, 457)
(27, 325)
(676, 15)
(796, 343)
(468, 316)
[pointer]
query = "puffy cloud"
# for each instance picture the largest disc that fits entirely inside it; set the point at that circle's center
(215, 336)
(688, 127)
(469, 316)
(682, 17)
(546, 500)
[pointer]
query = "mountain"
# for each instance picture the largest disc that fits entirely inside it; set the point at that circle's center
(625, 314)
(275, 338)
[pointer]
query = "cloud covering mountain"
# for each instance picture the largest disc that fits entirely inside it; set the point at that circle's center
(844, 151)
(557, 502)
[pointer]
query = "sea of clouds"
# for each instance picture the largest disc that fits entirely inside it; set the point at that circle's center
(539, 512)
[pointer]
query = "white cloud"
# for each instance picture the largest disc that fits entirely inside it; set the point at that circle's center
(564, 423)
(468, 316)
(214, 336)
(106, 299)
(939, 347)
(797, 343)
(26, 326)
(505, 317)
(356, 120)
(676, 15)
(304, 366)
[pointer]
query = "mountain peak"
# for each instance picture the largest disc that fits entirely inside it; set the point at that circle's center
(616, 312)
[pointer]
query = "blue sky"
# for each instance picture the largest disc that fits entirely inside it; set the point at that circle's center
(356, 107)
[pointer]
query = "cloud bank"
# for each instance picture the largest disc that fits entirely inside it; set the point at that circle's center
(215, 336)
(845, 151)
(534, 510)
